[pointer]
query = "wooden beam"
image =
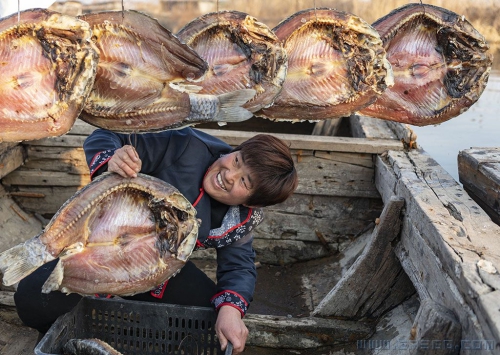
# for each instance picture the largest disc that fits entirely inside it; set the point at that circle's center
(45, 178)
(302, 333)
(479, 172)
(333, 144)
(369, 127)
(437, 330)
(375, 282)
(12, 159)
(456, 235)
(295, 141)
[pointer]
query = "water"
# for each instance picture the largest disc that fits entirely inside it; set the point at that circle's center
(477, 127)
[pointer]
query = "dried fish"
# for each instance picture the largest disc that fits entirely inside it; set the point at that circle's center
(441, 65)
(88, 347)
(336, 66)
(48, 69)
(115, 236)
(241, 53)
(147, 79)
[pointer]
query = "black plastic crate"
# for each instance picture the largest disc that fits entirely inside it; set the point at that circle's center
(134, 327)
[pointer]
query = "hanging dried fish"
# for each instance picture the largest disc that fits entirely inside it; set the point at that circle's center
(441, 65)
(241, 52)
(48, 69)
(147, 80)
(336, 66)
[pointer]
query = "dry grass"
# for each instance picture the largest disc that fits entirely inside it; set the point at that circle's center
(483, 14)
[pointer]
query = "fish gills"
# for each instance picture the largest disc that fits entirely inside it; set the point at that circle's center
(441, 65)
(336, 66)
(48, 69)
(116, 236)
(241, 53)
(146, 79)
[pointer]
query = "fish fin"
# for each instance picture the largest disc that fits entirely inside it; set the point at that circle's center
(55, 279)
(230, 106)
(21, 260)
(189, 88)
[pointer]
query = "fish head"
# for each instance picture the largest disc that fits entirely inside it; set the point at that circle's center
(176, 227)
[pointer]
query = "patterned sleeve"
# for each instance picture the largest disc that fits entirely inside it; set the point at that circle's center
(99, 147)
(236, 272)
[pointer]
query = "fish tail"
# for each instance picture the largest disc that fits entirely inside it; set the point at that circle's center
(230, 106)
(21, 260)
(55, 279)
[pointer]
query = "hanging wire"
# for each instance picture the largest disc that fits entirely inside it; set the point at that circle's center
(123, 11)
(423, 7)
(217, 11)
(315, 13)
(18, 14)
(134, 143)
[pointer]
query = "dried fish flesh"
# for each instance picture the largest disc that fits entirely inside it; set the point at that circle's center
(88, 347)
(115, 236)
(146, 79)
(241, 53)
(336, 66)
(47, 72)
(441, 65)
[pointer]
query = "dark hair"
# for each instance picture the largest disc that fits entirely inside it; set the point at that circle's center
(274, 177)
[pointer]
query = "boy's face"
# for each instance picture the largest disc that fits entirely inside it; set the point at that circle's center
(229, 180)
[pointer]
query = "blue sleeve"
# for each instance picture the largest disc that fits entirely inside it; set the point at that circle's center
(99, 147)
(236, 275)
(153, 148)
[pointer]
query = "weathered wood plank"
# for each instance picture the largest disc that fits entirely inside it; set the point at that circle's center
(456, 231)
(327, 127)
(12, 159)
(15, 339)
(45, 178)
(326, 177)
(16, 225)
(369, 127)
(436, 324)
(302, 333)
(334, 144)
(365, 160)
(81, 128)
(44, 200)
(5, 146)
(296, 141)
(364, 290)
(56, 159)
(479, 172)
(67, 141)
(7, 298)
(301, 216)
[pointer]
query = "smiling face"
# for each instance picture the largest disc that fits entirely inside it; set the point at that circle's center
(229, 181)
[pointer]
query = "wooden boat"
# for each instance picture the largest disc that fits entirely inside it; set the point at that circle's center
(379, 248)
(479, 172)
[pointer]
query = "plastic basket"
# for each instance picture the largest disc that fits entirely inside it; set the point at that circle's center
(134, 327)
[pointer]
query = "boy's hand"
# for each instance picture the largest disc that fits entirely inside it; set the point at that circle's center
(230, 326)
(125, 162)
